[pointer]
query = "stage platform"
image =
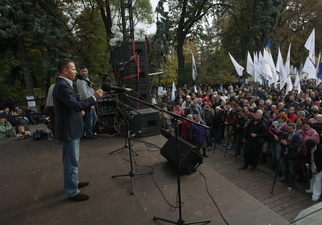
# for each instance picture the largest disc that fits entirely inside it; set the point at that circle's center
(32, 187)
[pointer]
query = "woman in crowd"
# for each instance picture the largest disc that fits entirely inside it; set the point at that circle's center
(186, 128)
(306, 133)
(6, 130)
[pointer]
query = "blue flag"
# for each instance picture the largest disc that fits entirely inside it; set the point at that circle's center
(319, 73)
(269, 46)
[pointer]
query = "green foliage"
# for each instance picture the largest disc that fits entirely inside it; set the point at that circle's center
(248, 26)
(92, 46)
(161, 40)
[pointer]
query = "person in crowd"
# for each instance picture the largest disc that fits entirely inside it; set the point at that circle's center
(154, 100)
(229, 120)
(290, 145)
(272, 113)
(276, 132)
(207, 116)
(178, 111)
(186, 129)
(186, 104)
(165, 125)
(22, 132)
(32, 116)
(255, 134)
(239, 130)
(6, 130)
(191, 110)
(306, 133)
(85, 90)
(69, 125)
(199, 135)
(308, 104)
(21, 121)
(318, 126)
(291, 114)
(314, 163)
(299, 123)
(218, 124)
(301, 112)
(50, 109)
(8, 115)
(291, 102)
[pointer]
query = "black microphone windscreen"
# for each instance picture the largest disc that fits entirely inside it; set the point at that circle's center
(79, 76)
(106, 87)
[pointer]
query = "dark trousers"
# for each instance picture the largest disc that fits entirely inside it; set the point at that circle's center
(217, 132)
(290, 169)
(239, 142)
(252, 153)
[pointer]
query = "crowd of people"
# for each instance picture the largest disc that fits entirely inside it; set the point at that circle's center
(14, 122)
(254, 121)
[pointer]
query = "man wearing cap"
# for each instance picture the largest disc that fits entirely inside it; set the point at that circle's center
(318, 104)
(306, 133)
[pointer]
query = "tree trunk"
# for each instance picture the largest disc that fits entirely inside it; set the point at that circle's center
(25, 67)
(180, 55)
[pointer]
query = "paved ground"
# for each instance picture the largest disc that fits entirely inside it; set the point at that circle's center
(284, 201)
(32, 191)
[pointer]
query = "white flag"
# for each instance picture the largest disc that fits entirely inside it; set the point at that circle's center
(297, 83)
(309, 68)
(257, 76)
(250, 65)
(174, 89)
(194, 68)
(239, 69)
(310, 45)
(288, 61)
(281, 69)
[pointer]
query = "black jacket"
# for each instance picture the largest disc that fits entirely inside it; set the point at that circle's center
(317, 157)
(259, 129)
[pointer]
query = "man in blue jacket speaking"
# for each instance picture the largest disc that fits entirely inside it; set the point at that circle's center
(69, 125)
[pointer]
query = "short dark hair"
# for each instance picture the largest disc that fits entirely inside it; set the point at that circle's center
(83, 67)
(63, 64)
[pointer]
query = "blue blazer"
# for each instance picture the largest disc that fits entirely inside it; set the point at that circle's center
(68, 117)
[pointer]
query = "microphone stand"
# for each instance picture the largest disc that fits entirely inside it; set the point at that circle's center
(180, 221)
(127, 135)
(132, 173)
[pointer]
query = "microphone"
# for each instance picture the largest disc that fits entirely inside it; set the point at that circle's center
(107, 88)
(80, 77)
(103, 74)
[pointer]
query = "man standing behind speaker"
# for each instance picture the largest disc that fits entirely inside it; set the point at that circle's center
(86, 90)
(199, 135)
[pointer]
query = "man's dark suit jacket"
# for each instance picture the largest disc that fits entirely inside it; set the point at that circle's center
(69, 120)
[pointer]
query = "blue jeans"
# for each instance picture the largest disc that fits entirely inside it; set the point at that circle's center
(90, 121)
(70, 166)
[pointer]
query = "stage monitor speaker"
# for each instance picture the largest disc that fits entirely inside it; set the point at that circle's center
(189, 156)
(145, 122)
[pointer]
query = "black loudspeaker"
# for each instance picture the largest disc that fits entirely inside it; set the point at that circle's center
(145, 122)
(189, 156)
(134, 74)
